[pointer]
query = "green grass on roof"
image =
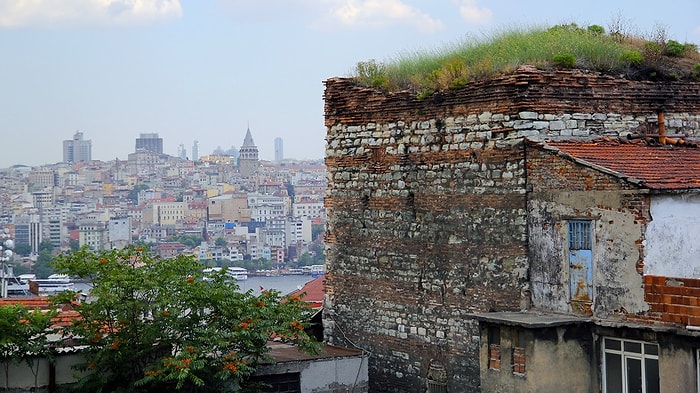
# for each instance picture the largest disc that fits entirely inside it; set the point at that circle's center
(562, 46)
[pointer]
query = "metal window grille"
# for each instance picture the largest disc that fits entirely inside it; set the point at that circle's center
(579, 235)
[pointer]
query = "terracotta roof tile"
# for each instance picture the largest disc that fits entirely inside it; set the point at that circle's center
(656, 167)
(314, 292)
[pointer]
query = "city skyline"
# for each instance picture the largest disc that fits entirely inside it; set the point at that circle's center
(210, 69)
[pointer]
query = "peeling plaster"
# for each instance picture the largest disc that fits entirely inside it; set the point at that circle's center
(672, 244)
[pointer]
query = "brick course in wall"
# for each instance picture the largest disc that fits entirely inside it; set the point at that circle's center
(427, 206)
(673, 300)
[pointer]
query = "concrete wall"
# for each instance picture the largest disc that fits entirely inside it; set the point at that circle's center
(569, 348)
(678, 367)
(562, 190)
(326, 375)
(672, 243)
(21, 378)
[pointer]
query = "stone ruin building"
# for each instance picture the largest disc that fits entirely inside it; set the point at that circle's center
(537, 232)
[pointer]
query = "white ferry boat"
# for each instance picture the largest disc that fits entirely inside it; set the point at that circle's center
(237, 273)
(55, 283)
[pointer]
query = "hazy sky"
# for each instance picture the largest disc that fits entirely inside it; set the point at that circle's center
(206, 69)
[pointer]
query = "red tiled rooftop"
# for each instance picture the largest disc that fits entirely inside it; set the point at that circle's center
(40, 302)
(314, 292)
(655, 167)
(64, 318)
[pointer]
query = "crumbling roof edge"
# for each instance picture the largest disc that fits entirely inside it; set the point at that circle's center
(542, 144)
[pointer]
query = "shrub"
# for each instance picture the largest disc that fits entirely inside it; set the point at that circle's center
(453, 74)
(632, 57)
(564, 60)
(596, 29)
(653, 51)
(372, 74)
(675, 48)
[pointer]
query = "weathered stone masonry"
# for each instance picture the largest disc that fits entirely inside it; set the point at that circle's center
(427, 205)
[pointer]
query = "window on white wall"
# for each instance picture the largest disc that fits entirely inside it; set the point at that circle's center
(630, 366)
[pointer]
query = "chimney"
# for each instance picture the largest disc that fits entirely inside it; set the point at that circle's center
(662, 126)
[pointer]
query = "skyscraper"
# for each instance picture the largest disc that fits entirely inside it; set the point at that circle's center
(77, 149)
(195, 151)
(182, 152)
(279, 150)
(151, 142)
(248, 156)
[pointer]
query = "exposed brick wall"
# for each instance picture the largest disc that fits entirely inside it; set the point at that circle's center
(427, 206)
(674, 300)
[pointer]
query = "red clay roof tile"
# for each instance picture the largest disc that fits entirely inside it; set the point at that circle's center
(656, 167)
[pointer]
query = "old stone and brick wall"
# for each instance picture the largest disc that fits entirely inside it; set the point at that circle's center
(560, 190)
(427, 209)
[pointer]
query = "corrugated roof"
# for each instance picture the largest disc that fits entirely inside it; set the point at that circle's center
(654, 167)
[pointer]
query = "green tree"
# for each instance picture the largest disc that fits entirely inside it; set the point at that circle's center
(24, 338)
(305, 259)
(156, 325)
(190, 240)
(23, 249)
(317, 229)
(134, 193)
(73, 244)
(220, 242)
(43, 267)
(46, 245)
(10, 337)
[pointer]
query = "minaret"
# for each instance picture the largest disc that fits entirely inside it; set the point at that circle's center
(248, 156)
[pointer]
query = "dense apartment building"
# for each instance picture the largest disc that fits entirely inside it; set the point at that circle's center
(149, 141)
(94, 235)
(152, 197)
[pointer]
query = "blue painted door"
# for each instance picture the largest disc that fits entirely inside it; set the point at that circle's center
(580, 261)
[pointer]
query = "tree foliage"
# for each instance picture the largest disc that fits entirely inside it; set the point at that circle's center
(155, 324)
(43, 267)
(190, 240)
(220, 242)
(24, 337)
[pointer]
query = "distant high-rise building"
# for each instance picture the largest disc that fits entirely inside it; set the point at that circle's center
(248, 156)
(279, 150)
(151, 142)
(77, 149)
(182, 152)
(28, 230)
(195, 151)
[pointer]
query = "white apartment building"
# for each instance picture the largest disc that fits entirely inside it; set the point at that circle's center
(298, 231)
(164, 213)
(119, 231)
(309, 209)
(94, 234)
(266, 207)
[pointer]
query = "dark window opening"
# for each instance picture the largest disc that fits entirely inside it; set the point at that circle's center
(277, 383)
(494, 340)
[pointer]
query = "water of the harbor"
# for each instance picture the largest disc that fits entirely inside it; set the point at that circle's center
(284, 284)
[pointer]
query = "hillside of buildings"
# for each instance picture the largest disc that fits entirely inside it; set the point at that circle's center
(245, 212)
(617, 50)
